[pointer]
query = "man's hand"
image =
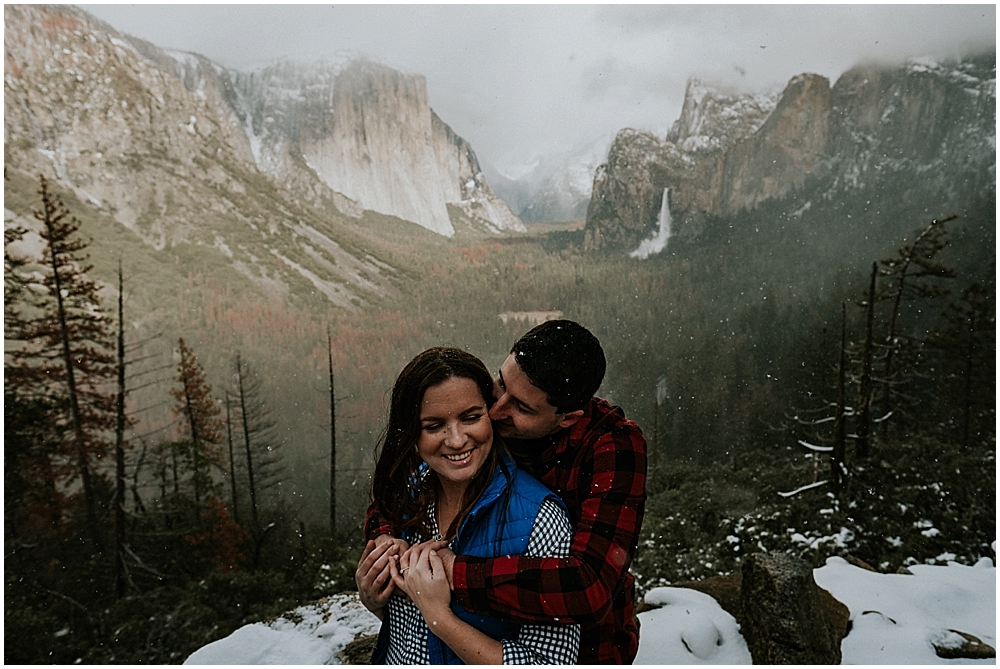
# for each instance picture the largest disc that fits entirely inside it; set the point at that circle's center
(447, 558)
(387, 538)
(374, 575)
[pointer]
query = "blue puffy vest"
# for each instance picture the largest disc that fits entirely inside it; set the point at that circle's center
(499, 523)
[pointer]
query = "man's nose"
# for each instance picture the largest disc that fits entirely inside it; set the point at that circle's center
(499, 410)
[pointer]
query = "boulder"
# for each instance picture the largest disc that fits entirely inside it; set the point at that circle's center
(955, 645)
(359, 651)
(784, 621)
(726, 590)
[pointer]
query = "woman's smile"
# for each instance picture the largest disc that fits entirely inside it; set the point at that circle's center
(459, 457)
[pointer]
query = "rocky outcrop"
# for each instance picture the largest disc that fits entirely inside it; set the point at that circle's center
(366, 131)
(783, 151)
(726, 154)
(628, 190)
(712, 121)
(95, 107)
(149, 139)
(783, 618)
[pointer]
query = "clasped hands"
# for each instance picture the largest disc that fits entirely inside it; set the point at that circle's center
(423, 572)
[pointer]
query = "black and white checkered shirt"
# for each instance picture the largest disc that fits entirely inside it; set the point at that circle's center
(535, 643)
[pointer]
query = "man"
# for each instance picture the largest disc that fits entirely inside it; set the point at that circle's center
(587, 452)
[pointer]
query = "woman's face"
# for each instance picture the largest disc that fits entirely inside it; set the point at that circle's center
(455, 431)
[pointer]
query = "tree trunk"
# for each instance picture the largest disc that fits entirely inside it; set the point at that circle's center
(246, 440)
(119, 506)
(837, 465)
(333, 441)
(195, 459)
(864, 405)
(74, 398)
(232, 462)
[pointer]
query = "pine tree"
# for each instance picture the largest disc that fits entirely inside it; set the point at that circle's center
(865, 383)
(967, 346)
(200, 415)
(66, 359)
(262, 449)
(908, 275)
(333, 439)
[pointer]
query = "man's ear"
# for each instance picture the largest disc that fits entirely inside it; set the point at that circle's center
(569, 419)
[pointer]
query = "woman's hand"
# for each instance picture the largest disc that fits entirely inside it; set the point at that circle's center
(422, 576)
(375, 574)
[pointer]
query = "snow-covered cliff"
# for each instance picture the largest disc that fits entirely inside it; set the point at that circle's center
(932, 123)
(366, 131)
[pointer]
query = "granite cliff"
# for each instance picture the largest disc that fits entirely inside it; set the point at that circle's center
(270, 173)
(366, 131)
(931, 123)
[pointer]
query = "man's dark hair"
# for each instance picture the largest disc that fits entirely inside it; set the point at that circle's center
(563, 359)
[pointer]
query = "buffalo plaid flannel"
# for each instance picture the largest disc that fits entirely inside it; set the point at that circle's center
(598, 467)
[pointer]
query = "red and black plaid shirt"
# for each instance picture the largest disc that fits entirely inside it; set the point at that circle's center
(598, 467)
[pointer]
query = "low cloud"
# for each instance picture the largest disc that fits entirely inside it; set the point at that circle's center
(519, 80)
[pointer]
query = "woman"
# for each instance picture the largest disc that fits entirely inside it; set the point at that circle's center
(442, 477)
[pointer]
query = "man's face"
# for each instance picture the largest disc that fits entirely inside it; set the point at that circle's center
(522, 410)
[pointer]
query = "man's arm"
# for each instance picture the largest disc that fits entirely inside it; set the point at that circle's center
(580, 588)
(375, 524)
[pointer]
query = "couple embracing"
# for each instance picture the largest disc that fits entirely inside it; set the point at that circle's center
(506, 511)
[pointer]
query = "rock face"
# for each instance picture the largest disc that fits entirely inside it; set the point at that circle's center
(150, 139)
(368, 132)
(725, 154)
(143, 132)
(784, 621)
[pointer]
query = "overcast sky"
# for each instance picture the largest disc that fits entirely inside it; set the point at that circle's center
(522, 80)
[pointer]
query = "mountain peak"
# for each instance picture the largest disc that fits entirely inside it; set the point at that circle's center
(711, 120)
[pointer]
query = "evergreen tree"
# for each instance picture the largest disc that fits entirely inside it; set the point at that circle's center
(908, 275)
(967, 359)
(200, 415)
(261, 447)
(65, 358)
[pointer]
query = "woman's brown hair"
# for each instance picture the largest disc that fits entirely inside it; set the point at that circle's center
(398, 462)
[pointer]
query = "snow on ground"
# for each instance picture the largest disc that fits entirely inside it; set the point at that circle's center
(895, 618)
(912, 611)
(311, 634)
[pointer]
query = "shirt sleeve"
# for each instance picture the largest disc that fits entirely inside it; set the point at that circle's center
(546, 643)
(579, 588)
(375, 524)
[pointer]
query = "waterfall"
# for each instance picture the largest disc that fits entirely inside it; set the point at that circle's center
(658, 241)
